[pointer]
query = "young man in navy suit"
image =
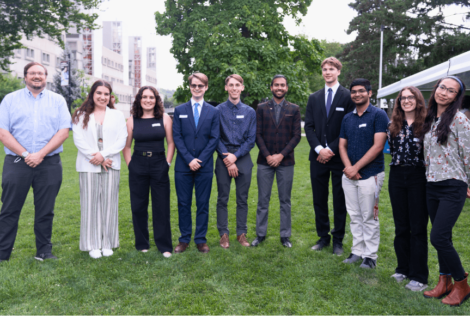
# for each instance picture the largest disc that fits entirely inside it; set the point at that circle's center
(196, 135)
(325, 111)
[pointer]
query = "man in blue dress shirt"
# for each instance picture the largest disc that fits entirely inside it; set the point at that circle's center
(34, 123)
(362, 140)
(237, 138)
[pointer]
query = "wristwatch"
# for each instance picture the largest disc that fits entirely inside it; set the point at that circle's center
(25, 154)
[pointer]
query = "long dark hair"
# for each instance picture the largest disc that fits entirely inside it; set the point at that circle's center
(398, 115)
(137, 110)
(443, 129)
(88, 106)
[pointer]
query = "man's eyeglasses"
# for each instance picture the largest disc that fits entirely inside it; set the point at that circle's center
(34, 74)
(409, 98)
(353, 92)
(199, 86)
(450, 90)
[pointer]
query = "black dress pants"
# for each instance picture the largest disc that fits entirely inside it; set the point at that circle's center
(17, 179)
(320, 178)
(407, 189)
(150, 173)
(445, 203)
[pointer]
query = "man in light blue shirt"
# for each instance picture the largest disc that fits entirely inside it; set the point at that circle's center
(34, 123)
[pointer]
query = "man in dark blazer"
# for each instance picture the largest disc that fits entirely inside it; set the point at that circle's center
(325, 111)
(196, 135)
(277, 134)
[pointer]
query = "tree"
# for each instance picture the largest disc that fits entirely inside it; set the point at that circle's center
(9, 84)
(247, 37)
(72, 91)
(417, 38)
(31, 18)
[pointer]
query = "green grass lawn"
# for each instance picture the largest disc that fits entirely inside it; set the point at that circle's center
(269, 279)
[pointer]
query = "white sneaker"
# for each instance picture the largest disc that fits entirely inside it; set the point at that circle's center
(167, 254)
(415, 286)
(399, 277)
(107, 252)
(95, 253)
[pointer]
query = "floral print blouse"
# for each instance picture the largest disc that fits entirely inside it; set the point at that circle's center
(405, 148)
(451, 160)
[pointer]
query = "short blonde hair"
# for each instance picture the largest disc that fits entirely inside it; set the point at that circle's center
(234, 76)
(199, 75)
(332, 61)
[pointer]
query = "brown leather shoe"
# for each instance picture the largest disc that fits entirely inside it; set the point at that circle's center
(459, 293)
(181, 247)
(443, 287)
(242, 240)
(204, 248)
(224, 242)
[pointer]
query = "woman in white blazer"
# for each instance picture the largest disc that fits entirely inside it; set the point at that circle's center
(99, 133)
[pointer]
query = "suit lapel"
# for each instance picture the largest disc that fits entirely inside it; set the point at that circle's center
(322, 102)
(271, 110)
(202, 116)
(282, 113)
(189, 111)
(338, 96)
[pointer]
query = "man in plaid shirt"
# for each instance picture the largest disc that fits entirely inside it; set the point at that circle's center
(277, 134)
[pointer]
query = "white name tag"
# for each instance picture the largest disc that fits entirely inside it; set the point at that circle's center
(156, 124)
(416, 139)
(340, 109)
(363, 125)
(240, 116)
(183, 116)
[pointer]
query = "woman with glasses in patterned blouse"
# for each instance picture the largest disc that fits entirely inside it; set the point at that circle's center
(407, 188)
(446, 155)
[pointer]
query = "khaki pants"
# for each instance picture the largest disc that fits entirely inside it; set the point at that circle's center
(360, 201)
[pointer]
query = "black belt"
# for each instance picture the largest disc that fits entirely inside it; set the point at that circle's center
(148, 153)
(232, 149)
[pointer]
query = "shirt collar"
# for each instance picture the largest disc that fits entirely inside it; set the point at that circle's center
(231, 105)
(200, 103)
(334, 88)
(367, 110)
(283, 102)
(29, 93)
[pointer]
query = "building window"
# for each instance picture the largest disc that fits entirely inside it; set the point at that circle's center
(29, 53)
(57, 62)
(46, 58)
(18, 53)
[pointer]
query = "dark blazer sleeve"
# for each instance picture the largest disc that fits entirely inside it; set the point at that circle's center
(296, 134)
(310, 123)
(214, 136)
(349, 106)
(259, 132)
(178, 137)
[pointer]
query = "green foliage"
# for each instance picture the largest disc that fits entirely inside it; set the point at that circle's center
(40, 18)
(247, 37)
(330, 49)
(8, 84)
(416, 39)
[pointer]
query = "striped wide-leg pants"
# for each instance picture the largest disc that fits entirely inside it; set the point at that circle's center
(99, 200)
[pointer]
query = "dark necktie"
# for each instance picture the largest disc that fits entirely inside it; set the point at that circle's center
(328, 101)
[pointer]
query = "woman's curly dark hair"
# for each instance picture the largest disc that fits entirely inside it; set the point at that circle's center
(88, 106)
(443, 129)
(398, 115)
(137, 110)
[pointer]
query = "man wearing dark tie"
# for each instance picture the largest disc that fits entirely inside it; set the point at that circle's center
(196, 135)
(325, 111)
(277, 134)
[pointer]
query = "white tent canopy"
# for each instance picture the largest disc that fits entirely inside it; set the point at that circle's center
(426, 79)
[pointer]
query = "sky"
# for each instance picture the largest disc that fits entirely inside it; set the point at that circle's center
(323, 21)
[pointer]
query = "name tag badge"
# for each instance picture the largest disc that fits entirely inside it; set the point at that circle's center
(240, 116)
(340, 109)
(156, 124)
(363, 125)
(183, 116)
(416, 140)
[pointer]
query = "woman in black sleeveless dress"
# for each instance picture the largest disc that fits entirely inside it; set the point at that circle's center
(148, 169)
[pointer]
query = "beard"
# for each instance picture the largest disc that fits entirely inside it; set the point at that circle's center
(39, 86)
(279, 97)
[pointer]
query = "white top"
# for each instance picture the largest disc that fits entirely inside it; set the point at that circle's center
(199, 106)
(114, 140)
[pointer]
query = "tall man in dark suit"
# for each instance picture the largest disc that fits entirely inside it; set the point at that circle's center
(277, 134)
(325, 111)
(196, 135)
